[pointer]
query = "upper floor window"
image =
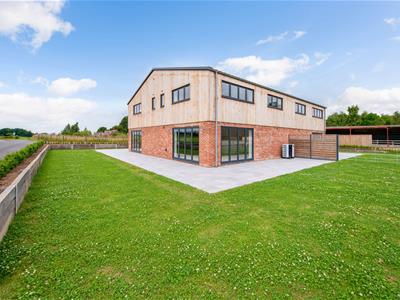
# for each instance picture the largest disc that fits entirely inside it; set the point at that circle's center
(318, 113)
(181, 94)
(162, 100)
(275, 102)
(137, 108)
(237, 92)
(153, 103)
(300, 109)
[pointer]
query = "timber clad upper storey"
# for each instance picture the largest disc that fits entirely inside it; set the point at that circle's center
(207, 117)
(189, 96)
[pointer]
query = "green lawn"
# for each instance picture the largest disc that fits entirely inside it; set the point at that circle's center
(94, 227)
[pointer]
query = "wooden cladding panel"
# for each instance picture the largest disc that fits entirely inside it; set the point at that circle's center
(315, 146)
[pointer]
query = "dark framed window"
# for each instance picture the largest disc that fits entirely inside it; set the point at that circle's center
(318, 113)
(186, 144)
(300, 109)
(162, 100)
(137, 108)
(153, 103)
(237, 92)
(275, 102)
(136, 140)
(237, 144)
(181, 94)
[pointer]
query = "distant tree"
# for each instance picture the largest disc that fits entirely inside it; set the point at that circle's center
(85, 132)
(66, 130)
(123, 125)
(102, 129)
(22, 132)
(352, 115)
(6, 132)
(75, 128)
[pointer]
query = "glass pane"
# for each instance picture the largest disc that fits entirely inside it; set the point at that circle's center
(225, 89)
(225, 144)
(249, 144)
(175, 96)
(242, 94)
(249, 96)
(140, 141)
(181, 143)
(176, 143)
(187, 92)
(234, 91)
(181, 95)
(241, 144)
(195, 144)
(234, 143)
(188, 144)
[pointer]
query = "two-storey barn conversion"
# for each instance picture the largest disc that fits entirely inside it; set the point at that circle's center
(205, 116)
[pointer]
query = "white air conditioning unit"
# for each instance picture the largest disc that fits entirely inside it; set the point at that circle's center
(287, 151)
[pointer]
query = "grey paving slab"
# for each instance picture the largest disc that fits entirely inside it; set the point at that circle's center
(9, 146)
(214, 180)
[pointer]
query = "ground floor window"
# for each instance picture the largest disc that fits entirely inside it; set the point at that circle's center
(136, 140)
(236, 144)
(186, 143)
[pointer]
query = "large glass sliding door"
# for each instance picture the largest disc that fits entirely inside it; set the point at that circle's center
(236, 144)
(136, 140)
(186, 143)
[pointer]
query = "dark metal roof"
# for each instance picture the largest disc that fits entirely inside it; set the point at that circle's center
(223, 73)
(362, 127)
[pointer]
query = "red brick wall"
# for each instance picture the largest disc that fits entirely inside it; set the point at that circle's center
(157, 140)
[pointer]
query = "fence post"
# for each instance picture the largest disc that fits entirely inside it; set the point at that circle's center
(16, 198)
(337, 147)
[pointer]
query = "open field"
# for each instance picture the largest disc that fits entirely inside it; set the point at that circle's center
(95, 227)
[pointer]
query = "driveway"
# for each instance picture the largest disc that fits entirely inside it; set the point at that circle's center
(8, 146)
(214, 180)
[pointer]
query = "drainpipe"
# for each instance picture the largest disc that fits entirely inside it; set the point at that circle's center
(216, 115)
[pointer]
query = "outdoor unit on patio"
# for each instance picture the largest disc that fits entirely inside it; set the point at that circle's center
(288, 151)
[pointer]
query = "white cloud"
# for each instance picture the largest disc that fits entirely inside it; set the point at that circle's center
(379, 67)
(2, 84)
(273, 38)
(51, 114)
(41, 80)
(379, 101)
(68, 86)
(396, 38)
(392, 21)
(32, 22)
(294, 35)
(321, 57)
(298, 34)
(293, 84)
(269, 72)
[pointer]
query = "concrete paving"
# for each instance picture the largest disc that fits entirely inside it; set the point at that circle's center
(9, 146)
(214, 180)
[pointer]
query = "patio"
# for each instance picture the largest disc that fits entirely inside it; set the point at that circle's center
(214, 180)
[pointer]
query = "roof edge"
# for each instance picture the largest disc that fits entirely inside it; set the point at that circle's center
(206, 68)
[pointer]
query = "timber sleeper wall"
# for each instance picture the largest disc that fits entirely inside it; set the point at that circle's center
(12, 197)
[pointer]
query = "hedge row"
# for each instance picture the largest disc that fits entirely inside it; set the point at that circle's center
(10, 161)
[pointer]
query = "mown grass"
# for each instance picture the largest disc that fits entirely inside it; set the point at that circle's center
(94, 227)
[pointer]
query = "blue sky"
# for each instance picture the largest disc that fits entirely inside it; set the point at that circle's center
(82, 60)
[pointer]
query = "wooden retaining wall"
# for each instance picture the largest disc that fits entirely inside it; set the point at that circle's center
(317, 146)
(12, 197)
(87, 146)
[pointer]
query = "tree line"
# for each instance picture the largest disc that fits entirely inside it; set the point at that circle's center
(74, 129)
(15, 132)
(353, 118)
